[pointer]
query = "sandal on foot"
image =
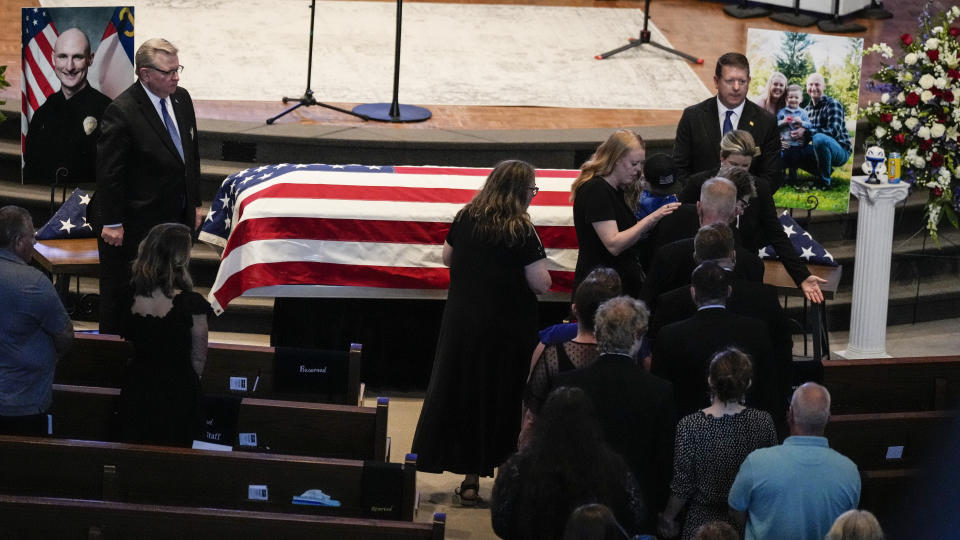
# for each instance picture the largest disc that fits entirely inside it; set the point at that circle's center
(469, 494)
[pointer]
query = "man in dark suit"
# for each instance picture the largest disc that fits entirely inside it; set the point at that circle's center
(148, 170)
(697, 144)
(747, 298)
(682, 351)
(635, 408)
(673, 263)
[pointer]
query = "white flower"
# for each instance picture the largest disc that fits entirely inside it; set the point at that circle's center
(885, 97)
(880, 132)
(919, 162)
(944, 174)
(926, 81)
(938, 130)
(910, 59)
(896, 123)
(936, 30)
(940, 83)
(955, 11)
(956, 172)
(910, 155)
(932, 43)
(951, 133)
(901, 97)
(911, 122)
(923, 132)
(926, 96)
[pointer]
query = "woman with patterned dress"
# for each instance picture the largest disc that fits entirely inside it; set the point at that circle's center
(471, 414)
(711, 444)
(160, 399)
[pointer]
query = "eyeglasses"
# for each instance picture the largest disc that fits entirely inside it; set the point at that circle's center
(743, 203)
(169, 72)
(535, 190)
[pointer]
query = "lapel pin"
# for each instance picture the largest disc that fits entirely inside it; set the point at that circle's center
(751, 123)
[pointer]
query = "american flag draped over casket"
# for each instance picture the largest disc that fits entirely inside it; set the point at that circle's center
(360, 226)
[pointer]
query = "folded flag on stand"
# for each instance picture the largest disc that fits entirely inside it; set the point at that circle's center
(70, 221)
(809, 250)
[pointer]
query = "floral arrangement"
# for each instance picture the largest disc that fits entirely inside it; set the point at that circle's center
(918, 113)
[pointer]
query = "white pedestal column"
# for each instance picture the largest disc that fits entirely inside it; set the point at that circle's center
(871, 274)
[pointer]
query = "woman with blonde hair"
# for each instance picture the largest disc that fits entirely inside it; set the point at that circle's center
(471, 414)
(161, 397)
(606, 225)
(774, 95)
(855, 525)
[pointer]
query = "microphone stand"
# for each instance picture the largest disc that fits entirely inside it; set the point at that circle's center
(835, 26)
(644, 39)
(307, 100)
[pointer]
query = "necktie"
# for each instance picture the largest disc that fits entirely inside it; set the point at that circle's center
(172, 129)
(727, 124)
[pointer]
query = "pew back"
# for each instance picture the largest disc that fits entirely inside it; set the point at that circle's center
(888, 440)
(893, 384)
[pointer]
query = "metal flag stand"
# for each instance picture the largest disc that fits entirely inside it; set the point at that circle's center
(394, 111)
(307, 100)
(644, 39)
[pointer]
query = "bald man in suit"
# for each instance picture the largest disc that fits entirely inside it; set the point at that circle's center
(148, 171)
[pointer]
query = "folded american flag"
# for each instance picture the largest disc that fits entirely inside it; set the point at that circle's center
(70, 220)
(809, 250)
(361, 226)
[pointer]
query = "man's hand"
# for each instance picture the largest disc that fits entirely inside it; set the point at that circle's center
(200, 217)
(811, 288)
(113, 235)
(784, 144)
(798, 133)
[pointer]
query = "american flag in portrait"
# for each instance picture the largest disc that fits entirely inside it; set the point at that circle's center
(361, 226)
(38, 80)
(809, 250)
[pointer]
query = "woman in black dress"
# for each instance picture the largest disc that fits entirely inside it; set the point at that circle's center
(160, 399)
(711, 444)
(607, 228)
(471, 413)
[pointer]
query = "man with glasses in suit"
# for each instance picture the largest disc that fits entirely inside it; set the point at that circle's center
(148, 171)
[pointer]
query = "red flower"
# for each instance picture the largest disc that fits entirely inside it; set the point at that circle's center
(953, 74)
(933, 55)
(954, 31)
(936, 160)
(913, 99)
(946, 96)
(926, 144)
(899, 138)
(942, 116)
(937, 192)
(886, 118)
(906, 39)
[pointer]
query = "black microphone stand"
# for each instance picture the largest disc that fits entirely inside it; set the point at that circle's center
(644, 39)
(308, 99)
(836, 26)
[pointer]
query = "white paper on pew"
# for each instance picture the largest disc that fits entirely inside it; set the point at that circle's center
(248, 439)
(257, 492)
(204, 445)
(894, 452)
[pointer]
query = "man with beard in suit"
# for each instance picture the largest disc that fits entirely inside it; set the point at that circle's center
(748, 298)
(697, 144)
(148, 171)
(682, 351)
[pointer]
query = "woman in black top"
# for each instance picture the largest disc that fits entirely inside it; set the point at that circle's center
(471, 413)
(606, 225)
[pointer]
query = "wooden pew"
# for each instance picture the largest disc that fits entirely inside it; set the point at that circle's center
(46, 467)
(42, 518)
(893, 384)
(888, 440)
(882, 492)
(283, 427)
(100, 360)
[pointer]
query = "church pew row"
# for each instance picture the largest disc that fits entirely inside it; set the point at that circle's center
(47, 467)
(889, 440)
(882, 492)
(245, 370)
(42, 518)
(893, 384)
(283, 427)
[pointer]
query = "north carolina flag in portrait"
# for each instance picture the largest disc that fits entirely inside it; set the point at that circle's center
(70, 221)
(38, 80)
(809, 250)
(112, 69)
(361, 226)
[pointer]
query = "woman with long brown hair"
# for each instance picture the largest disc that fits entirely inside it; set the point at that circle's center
(606, 225)
(471, 413)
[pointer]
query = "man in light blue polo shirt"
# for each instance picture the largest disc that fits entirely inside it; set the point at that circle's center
(34, 329)
(796, 490)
